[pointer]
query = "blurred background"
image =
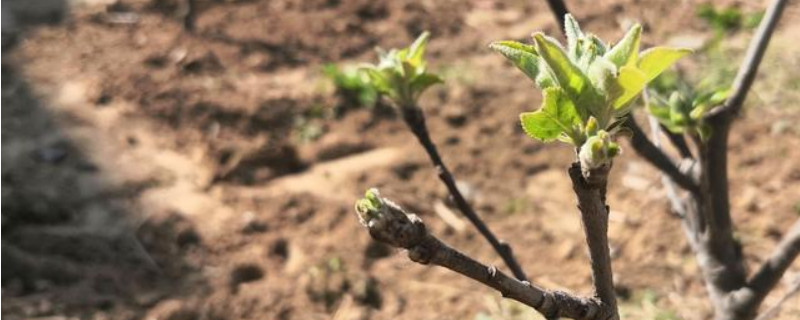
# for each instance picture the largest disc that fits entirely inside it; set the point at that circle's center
(166, 159)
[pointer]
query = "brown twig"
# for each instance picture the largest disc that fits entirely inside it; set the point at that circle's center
(594, 215)
(773, 311)
(749, 68)
(770, 272)
(645, 148)
(415, 119)
(392, 225)
(679, 141)
(559, 10)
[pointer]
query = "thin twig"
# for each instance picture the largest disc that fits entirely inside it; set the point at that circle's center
(415, 120)
(559, 10)
(768, 275)
(677, 140)
(773, 311)
(645, 148)
(392, 225)
(669, 186)
(749, 68)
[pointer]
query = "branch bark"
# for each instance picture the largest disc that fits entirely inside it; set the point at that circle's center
(559, 10)
(415, 120)
(747, 300)
(392, 225)
(718, 253)
(645, 148)
(679, 142)
(591, 194)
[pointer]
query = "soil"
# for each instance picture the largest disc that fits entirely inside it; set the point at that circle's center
(153, 173)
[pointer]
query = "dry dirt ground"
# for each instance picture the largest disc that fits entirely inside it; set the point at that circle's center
(150, 173)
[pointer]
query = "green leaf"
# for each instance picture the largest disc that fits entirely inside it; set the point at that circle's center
(522, 55)
(655, 60)
(601, 73)
(423, 82)
(379, 81)
(626, 51)
(567, 74)
(574, 34)
(417, 49)
(631, 81)
(556, 116)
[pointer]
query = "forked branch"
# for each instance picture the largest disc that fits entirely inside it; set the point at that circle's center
(390, 224)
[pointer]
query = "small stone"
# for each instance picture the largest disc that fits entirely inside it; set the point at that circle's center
(172, 309)
(455, 116)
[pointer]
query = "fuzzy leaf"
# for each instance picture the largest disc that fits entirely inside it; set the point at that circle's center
(556, 116)
(601, 72)
(523, 56)
(574, 33)
(655, 60)
(567, 74)
(417, 49)
(631, 81)
(626, 51)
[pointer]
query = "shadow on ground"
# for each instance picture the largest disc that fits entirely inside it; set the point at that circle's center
(70, 241)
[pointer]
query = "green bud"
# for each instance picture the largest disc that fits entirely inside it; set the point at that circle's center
(591, 126)
(598, 150)
(368, 207)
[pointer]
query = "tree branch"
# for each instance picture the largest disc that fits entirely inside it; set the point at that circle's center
(773, 311)
(645, 148)
(594, 215)
(747, 72)
(677, 204)
(678, 141)
(390, 224)
(770, 272)
(415, 120)
(559, 10)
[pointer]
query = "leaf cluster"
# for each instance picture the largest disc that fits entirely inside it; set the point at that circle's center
(352, 84)
(589, 86)
(401, 74)
(587, 79)
(681, 107)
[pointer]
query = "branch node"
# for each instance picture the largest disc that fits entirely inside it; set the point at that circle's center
(492, 272)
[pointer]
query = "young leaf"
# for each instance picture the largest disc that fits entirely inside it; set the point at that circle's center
(574, 33)
(423, 81)
(522, 55)
(556, 116)
(378, 80)
(567, 74)
(417, 49)
(631, 81)
(655, 60)
(626, 51)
